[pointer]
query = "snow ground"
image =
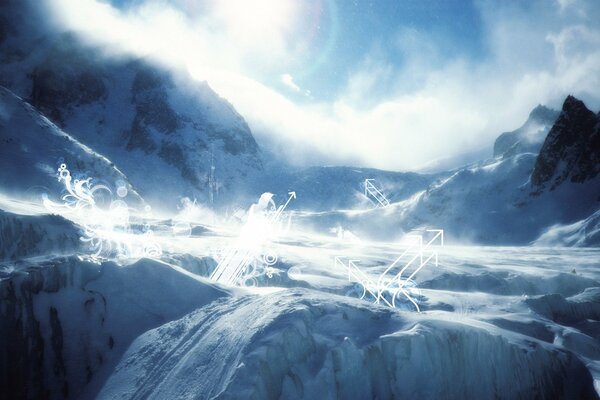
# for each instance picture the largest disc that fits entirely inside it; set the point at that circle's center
(507, 322)
(497, 322)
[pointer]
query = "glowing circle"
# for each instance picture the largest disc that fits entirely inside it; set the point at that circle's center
(121, 191)
(294, 273)
(270, 259)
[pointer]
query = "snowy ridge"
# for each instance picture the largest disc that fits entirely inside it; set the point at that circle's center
(32, 147)
(68, 321)
(583, 233)
(509, 200)
(299, 344)
(23, 236)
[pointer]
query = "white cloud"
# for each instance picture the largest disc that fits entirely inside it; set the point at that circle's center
(288, 81)
(431, 107)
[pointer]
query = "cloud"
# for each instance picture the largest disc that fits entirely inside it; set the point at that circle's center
(388, 115)
(288, 81)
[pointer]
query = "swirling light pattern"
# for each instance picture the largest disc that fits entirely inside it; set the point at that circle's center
(105, 220)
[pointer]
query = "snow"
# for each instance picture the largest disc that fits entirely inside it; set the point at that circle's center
(301, 344)
(158, 329)
(23, 236)
(581, 233)
(313, 343)
(507, 320)
(99, 309)
(33, 148)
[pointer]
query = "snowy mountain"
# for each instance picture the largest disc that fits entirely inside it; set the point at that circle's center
(144, 320)
(529, 137)
(499, 201)
(32, 148)
(163, 130)
(190, 142)
(571, 151)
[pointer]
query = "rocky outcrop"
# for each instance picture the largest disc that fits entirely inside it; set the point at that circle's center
(64, 322)
(571, 151)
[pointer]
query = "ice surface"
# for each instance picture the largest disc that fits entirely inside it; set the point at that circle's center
(70, 320)
(23, 236)
(302, 344)
(510, 322)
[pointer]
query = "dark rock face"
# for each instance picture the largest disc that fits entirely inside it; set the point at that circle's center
(32, 359)
(174, 155)
(571, 150)
(152, 109)
(131, 110)
(21, 372)
(529, 137)
(63, 81)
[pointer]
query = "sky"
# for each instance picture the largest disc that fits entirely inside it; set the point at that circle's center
(397, 84)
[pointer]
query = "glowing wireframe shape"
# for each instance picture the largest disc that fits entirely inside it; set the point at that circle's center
(390, 281)
(373, 193)
(243, 262)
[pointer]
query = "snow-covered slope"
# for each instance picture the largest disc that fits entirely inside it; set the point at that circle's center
(32, 148)
(301, 344)
(499, 323)
(584, 233)
(508, 200)
(66, 322)
(24, 236)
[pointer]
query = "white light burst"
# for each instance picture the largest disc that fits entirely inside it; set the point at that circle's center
(105, 221)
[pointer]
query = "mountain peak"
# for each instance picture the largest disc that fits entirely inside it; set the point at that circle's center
(529, 137)
(543, 113)
(571, 149)
(573, 104)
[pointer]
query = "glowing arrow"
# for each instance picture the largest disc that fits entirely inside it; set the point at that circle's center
(283, 207)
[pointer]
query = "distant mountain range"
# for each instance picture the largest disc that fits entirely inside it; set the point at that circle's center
(513, 198)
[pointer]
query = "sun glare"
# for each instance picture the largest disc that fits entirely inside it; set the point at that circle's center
(257, 19)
